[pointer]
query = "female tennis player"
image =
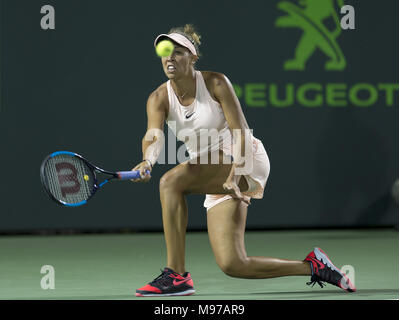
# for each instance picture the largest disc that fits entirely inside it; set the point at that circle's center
(193, 103)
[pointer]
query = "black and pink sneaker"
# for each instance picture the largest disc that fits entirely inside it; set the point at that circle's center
(324, 270)
(168, 283)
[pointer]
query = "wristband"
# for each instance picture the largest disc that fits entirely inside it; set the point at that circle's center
(148, 162)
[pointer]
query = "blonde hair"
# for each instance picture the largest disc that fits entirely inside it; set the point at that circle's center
(191, 33)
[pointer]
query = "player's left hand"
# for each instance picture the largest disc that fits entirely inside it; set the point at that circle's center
(234, 190)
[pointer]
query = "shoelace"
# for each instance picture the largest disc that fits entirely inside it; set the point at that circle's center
(315, 279)
(161, 279)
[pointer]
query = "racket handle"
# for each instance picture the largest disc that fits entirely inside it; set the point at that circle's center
(126, 175)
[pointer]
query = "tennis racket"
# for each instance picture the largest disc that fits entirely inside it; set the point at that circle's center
(70, 180)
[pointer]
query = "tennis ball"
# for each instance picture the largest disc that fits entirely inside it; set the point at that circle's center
(164, 48)
(86, 177)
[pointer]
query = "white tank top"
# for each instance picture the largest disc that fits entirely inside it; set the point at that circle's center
(202, 125)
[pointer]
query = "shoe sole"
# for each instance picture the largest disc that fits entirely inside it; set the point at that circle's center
(347, 285)
(184, 293)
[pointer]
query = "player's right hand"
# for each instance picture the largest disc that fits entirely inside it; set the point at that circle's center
(145, 171)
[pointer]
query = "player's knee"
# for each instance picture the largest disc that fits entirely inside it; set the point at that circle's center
(232, 267)
(175, 179)
(171, 180)
(166, 181)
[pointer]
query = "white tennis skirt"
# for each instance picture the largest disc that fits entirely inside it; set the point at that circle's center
(256, 179)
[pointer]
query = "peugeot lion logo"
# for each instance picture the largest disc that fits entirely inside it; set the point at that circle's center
(309, 16)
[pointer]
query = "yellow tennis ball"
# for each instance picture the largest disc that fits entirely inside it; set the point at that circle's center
(164, 48)
(86, 177)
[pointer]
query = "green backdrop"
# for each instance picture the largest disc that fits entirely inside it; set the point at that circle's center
(324, 101)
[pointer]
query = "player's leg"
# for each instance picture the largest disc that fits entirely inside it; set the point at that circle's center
(226, 228)
(185, 179)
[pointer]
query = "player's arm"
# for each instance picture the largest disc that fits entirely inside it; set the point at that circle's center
(242, 143)
(153, 140)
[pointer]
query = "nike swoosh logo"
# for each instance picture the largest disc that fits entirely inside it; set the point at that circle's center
(177, 283)
(189, 115)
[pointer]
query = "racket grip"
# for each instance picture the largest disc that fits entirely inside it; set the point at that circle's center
(127, 175)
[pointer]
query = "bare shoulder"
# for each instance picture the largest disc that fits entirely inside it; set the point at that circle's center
(214, 79)
(159, 95)
(216, 83)
(158, 99)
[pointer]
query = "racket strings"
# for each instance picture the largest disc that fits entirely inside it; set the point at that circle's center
(69, 179)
